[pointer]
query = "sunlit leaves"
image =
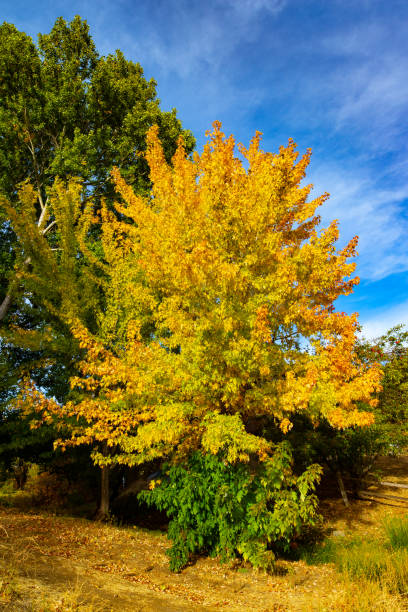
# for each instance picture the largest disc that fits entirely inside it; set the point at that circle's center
(219, 309)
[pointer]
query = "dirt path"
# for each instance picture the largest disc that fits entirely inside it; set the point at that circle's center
(59, 564)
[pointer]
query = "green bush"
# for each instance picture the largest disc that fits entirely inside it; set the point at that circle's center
(235, 510)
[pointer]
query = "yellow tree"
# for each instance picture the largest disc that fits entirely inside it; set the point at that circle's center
(220, 310)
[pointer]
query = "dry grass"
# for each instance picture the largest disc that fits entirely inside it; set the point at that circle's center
(362, 596)
(57, 564)
(60, 564)
(72, 600)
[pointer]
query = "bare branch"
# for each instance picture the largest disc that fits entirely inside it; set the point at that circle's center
(5, 305)
(42, 204)
(31, 148)
(42, 218)
(48, 228)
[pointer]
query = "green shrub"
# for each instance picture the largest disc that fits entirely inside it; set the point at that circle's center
(234, 510)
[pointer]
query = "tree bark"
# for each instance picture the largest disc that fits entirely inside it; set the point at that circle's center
(342, 489)
(4, 306)
(20, 473)
(102, 513)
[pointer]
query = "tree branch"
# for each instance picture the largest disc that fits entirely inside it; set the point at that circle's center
(43, 217)
(48, 228)
(5, 305)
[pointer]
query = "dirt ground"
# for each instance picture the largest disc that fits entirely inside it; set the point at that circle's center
(58, 564)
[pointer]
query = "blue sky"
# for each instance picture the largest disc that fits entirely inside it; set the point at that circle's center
(331, 74)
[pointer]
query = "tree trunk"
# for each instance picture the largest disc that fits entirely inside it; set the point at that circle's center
(342, 489)
(102, 514)
(20, 473)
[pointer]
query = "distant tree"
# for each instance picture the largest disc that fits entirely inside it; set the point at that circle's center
(392, 351)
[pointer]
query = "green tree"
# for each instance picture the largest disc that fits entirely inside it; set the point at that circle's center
(64, 111)
(392, 349)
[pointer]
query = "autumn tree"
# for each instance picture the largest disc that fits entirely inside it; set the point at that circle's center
(219, 314)
(219, 321)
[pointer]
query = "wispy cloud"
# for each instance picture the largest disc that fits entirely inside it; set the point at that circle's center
(372, 212)
(195, 36)
(380, 321)
(249, 7)
(369, 81)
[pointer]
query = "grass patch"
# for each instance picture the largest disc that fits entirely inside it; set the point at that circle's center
(396, 529)
(383, 561)
(375, 563)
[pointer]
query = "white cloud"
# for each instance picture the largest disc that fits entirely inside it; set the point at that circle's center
(253, 6)
(381, 320)
(367, 86)
(200, 37)
(372, 212)
(376, 98)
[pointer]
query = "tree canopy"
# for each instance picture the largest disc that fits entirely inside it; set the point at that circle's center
(67, 111)
(219, 310)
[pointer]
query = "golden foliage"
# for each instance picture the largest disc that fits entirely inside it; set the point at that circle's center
(219, 309)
